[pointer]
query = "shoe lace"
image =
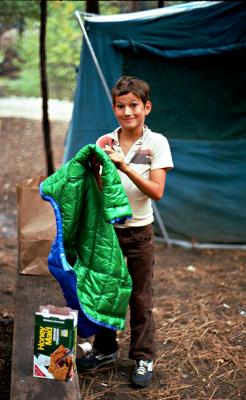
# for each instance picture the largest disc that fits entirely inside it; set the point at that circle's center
(142, 367)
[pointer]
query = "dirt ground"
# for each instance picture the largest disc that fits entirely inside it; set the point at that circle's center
(199, 299)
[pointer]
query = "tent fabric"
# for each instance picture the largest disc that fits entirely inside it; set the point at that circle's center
(193, 55)
(206, 193)
(207, 94)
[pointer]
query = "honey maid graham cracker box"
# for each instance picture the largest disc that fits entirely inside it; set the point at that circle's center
(55, 343)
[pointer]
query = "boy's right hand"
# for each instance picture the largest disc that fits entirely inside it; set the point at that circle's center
(116, 158)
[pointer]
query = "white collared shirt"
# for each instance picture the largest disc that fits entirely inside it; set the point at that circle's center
(151, 151)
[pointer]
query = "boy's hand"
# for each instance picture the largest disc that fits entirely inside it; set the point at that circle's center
(95, 167)
(117, 158)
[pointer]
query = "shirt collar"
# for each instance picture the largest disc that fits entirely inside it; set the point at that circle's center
(138, 142)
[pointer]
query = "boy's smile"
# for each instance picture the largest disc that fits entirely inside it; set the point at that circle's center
(130, 111)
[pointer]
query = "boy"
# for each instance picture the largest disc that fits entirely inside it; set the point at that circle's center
(142, 158)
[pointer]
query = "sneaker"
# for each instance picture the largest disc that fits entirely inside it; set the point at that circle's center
(142, 375)
(94, 360)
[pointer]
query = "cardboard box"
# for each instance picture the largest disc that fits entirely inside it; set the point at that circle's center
(55, 343)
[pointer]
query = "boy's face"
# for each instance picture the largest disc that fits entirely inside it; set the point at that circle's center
(130, 111)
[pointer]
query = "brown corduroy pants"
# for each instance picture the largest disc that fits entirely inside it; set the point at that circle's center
(138, 248)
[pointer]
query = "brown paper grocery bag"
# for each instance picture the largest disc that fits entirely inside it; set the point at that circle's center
(36, 228)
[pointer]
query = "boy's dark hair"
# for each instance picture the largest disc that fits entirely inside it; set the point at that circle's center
(127, 84)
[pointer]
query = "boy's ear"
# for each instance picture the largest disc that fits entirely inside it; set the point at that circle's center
(148, 107)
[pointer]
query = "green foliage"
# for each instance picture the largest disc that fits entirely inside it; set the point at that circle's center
(63, 43)
(15, 12)
(63, 46)
(12, 9)
(27, 85)
(28, 81)
(109, 7)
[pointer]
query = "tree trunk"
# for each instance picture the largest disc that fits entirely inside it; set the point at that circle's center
(92, 6)
(44, 88)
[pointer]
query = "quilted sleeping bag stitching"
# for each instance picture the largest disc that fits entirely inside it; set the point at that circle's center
(89, 240)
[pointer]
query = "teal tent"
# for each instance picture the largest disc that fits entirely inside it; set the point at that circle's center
(194, 57)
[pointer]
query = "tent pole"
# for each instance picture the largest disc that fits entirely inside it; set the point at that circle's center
(106, 88)
(161, 225)
(94, 57)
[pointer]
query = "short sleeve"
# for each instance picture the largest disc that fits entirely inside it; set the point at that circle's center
(161, 152)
